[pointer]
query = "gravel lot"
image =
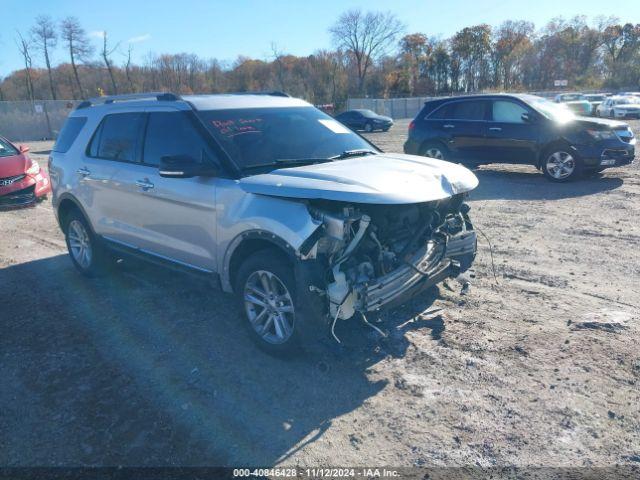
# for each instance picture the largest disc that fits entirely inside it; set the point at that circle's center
(148, 367)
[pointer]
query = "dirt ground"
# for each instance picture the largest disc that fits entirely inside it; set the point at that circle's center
(147, 367)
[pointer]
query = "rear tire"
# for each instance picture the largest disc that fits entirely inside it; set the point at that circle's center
(266, 289)
(87, 253)
(435, 150)
(368, 127)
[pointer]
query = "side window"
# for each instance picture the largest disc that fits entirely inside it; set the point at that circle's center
(69, 133)
(117, 137)
(173, 133)
(461, 110)
(469, 110)
(443, 113)
(508, 112)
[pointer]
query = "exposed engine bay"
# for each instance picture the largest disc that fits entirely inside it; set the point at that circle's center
(374, 253)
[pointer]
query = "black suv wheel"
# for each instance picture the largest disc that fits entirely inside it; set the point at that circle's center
(559, 164)
(435, 150)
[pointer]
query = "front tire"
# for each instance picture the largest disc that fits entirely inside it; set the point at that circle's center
(266, 289)
(87, 253)
(560, 165)
(368, 127)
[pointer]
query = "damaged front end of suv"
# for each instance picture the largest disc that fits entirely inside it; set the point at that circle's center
(365, 233)
(365, 257)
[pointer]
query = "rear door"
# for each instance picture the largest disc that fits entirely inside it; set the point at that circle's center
(173, 218)
(510, 137)
(115, 144)
(459, 124)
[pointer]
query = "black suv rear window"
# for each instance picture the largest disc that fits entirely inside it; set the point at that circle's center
(461, 110)
(69, 133)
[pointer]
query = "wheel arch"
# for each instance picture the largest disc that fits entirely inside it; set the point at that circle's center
(247, 244)
(558, 143)
(66, 204)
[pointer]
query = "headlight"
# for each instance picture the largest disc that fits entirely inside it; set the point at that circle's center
(602, 134)
(34, 169)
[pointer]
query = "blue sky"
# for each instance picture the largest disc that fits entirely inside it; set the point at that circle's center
(226, 29)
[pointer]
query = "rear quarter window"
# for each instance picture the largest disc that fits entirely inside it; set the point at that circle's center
(70, 131)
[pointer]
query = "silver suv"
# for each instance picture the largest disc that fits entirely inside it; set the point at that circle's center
(306, 221)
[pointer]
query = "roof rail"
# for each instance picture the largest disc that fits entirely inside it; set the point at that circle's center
(160, 96)
(274, 93)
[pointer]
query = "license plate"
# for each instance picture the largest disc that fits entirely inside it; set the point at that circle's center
(608, 161)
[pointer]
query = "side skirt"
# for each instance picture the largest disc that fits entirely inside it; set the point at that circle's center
(126, 250)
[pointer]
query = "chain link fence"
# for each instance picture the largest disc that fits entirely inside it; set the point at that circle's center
(39, 120)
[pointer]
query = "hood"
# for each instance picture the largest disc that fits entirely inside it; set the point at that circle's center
(383, 118)
(13, 165)
(600, 122)
(385, 178)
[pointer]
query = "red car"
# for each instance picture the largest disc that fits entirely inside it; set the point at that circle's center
(22, 181)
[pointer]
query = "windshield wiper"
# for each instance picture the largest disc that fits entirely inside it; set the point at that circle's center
(353, 153)
(302, 161)
(288, 161)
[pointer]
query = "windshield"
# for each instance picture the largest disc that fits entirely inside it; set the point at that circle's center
(551, 110)
(595, 98)
(6, 149)
(268, 136)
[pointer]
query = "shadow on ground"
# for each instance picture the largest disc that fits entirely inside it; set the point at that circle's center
(150, 367)
(497, 183)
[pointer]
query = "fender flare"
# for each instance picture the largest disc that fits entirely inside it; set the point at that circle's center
(257, 234)
(69, 197)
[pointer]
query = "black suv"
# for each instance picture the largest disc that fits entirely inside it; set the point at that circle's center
(519, 129)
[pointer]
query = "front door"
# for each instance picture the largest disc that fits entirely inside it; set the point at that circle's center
(173, 218)
(512, 133)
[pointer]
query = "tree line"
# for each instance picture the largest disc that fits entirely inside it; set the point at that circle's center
(372, 55)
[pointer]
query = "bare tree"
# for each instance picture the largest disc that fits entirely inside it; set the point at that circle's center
(366, 36)
(105, 56)
(24, 46)
(77, 44)
(127, 69)
(44, 37)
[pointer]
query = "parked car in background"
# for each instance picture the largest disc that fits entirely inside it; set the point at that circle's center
(576, 102)
(306, 221)
(620, 107)
(595, 99)
(22, 181)
(366, 120)
(519, 129)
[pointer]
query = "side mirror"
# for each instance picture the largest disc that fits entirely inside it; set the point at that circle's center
(23, 148)
(527, 118)
(184, 166)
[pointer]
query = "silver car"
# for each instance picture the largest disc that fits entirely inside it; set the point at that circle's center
(306, 221)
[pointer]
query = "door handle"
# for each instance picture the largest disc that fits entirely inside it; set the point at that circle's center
(448, 125)
(144, 184)
(495, 129)
(83, 171)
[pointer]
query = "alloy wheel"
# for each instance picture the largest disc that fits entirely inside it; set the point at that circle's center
(269, 307)
(434, 152)
(80, 244)
(560, 165)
